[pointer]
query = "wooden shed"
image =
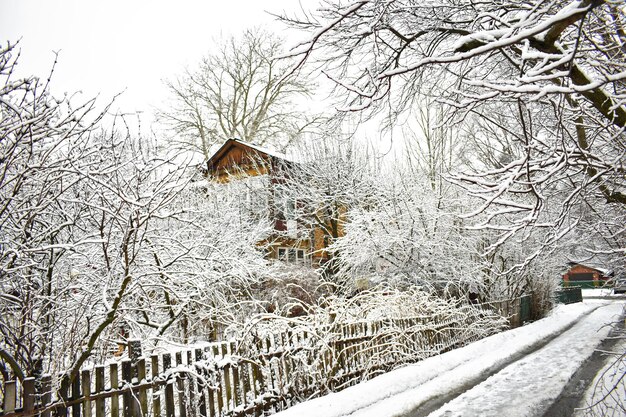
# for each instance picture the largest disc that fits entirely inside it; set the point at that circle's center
(586, 276)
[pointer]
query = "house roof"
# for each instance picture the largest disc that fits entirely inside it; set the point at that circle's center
(228, 146)
(603, 271)
(264, 150)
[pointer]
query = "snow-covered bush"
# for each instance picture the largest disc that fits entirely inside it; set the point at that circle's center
(290, 290)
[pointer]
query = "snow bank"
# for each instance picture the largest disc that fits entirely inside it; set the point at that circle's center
(598, 292)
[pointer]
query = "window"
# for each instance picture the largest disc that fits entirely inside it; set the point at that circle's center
(285, 205)
(256, 194)
(581, 276)
(292, 255)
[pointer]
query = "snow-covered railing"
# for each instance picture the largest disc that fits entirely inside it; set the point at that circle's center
(255, 375)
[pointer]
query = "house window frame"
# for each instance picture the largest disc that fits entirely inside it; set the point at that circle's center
(285, 205)
(292, 255)
(255, 196)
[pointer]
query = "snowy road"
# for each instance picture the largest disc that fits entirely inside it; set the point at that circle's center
(530, 385)
(514, 373)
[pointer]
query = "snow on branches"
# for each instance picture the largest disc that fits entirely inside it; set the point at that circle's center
(547, 75)
(102, 238)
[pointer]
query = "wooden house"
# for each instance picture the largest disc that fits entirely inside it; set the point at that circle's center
(585, 276)
(236, 158)
(293, 241)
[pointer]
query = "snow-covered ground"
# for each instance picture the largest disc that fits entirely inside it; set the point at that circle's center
(606, 395)
(521, 388)
(599, 292)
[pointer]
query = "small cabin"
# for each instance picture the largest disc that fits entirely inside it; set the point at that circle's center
(586, 276)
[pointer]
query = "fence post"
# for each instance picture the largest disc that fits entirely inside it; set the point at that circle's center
(245, 374)
(258, 383)
(115, 385)
(127, 396)
(180, 387)
(46, 393)
(9, 397)
(227, 385)
(156, 392)
(76, 395)
(219, 392)
(135, 406)
(86, 383)
(235, 371)
(209, 372)
(142, 400)
(191, 388)
(61, 409)
(169, 388)
(134, 353)
(200, 383)
(28, 386)
(100, 405)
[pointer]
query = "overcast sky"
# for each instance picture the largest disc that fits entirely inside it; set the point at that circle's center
(106, 47)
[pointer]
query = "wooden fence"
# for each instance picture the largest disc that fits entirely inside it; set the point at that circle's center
(256, 376)
(516, 310)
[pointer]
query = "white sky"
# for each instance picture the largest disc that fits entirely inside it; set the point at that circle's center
(106, 47)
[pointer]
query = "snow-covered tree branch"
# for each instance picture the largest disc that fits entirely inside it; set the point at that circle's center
(547, 75)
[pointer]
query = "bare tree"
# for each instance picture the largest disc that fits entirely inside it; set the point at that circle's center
(241, 91)
(210, 253)
(40, 142)
(504, 49)
(434, 148)
(77, 208)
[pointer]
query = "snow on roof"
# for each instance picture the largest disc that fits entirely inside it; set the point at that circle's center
(265, 150)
